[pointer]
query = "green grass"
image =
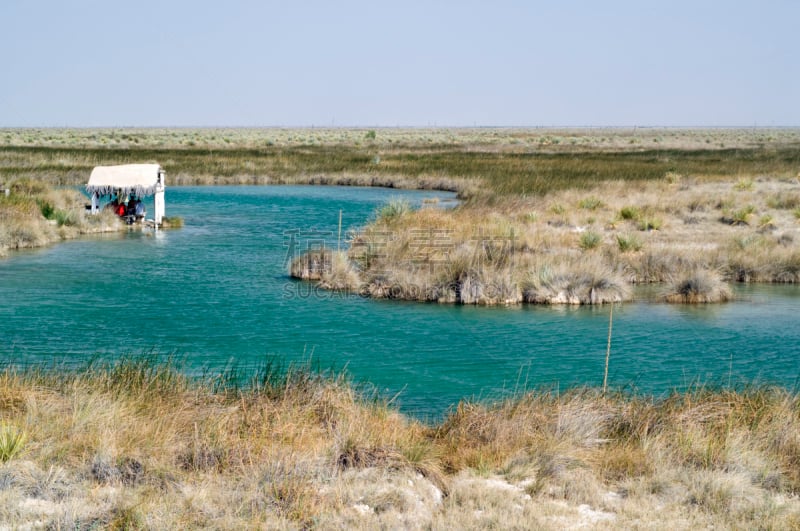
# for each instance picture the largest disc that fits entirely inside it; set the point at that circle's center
(393, 210)
(590, 240)
(12, 440)
(590, 203)
(629, 243)
(741, 216)
(648, 223)
(766, 221)
(47, 208)
(630, 213)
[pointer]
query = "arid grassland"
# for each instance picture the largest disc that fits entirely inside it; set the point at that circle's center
(547, 216)
(34, 214)
(692, 236)
(137, 445)
(496, 162)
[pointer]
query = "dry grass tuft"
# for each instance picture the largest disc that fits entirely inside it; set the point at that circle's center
(701, 286)
(581, 281)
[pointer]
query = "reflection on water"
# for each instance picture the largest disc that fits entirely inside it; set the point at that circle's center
(216, 292)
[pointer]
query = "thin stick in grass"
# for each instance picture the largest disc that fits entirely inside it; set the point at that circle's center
(608, 348)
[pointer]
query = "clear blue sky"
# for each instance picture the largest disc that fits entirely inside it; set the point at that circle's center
(407, 63)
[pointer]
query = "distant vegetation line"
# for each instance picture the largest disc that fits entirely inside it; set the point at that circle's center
(501, 173)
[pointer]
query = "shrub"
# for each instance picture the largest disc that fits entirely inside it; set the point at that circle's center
(393, 210)
(590, 240)
(699, 287)
(630, 213)
(590, 203)
(650, 223)
(766, 222)
(65, 217)
(740, 216)
(47, 209)
(341, 275)
(584, 282)
(629, 242)
(744, 185)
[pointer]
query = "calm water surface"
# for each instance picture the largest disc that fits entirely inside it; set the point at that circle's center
(216, 292)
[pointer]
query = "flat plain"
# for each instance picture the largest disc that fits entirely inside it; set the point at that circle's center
(136, 444)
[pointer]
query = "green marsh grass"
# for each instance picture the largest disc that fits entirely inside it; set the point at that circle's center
(411, 164)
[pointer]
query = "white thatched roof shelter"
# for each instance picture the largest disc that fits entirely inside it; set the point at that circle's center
(139, 179)
(127, 179)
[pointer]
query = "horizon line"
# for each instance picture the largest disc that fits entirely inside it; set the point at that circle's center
(398, 127)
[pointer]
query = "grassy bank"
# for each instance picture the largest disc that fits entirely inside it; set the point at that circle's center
(578, 246)
(550, 216)
(34, 214)
(493, 162)
(137, 444)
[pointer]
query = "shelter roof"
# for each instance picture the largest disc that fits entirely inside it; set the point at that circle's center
(141, 179)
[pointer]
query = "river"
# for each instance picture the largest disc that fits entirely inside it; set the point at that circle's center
(216, 293)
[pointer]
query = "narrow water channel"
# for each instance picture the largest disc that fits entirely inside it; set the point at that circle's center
(216, 292)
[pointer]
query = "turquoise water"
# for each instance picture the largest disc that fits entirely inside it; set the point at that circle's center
(216, 292)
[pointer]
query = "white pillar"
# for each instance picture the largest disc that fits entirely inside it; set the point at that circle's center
(94, 203)
(159, 199)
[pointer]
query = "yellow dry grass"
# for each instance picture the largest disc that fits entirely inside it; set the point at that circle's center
(584, 246)
(34, 214)
(138, 445)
